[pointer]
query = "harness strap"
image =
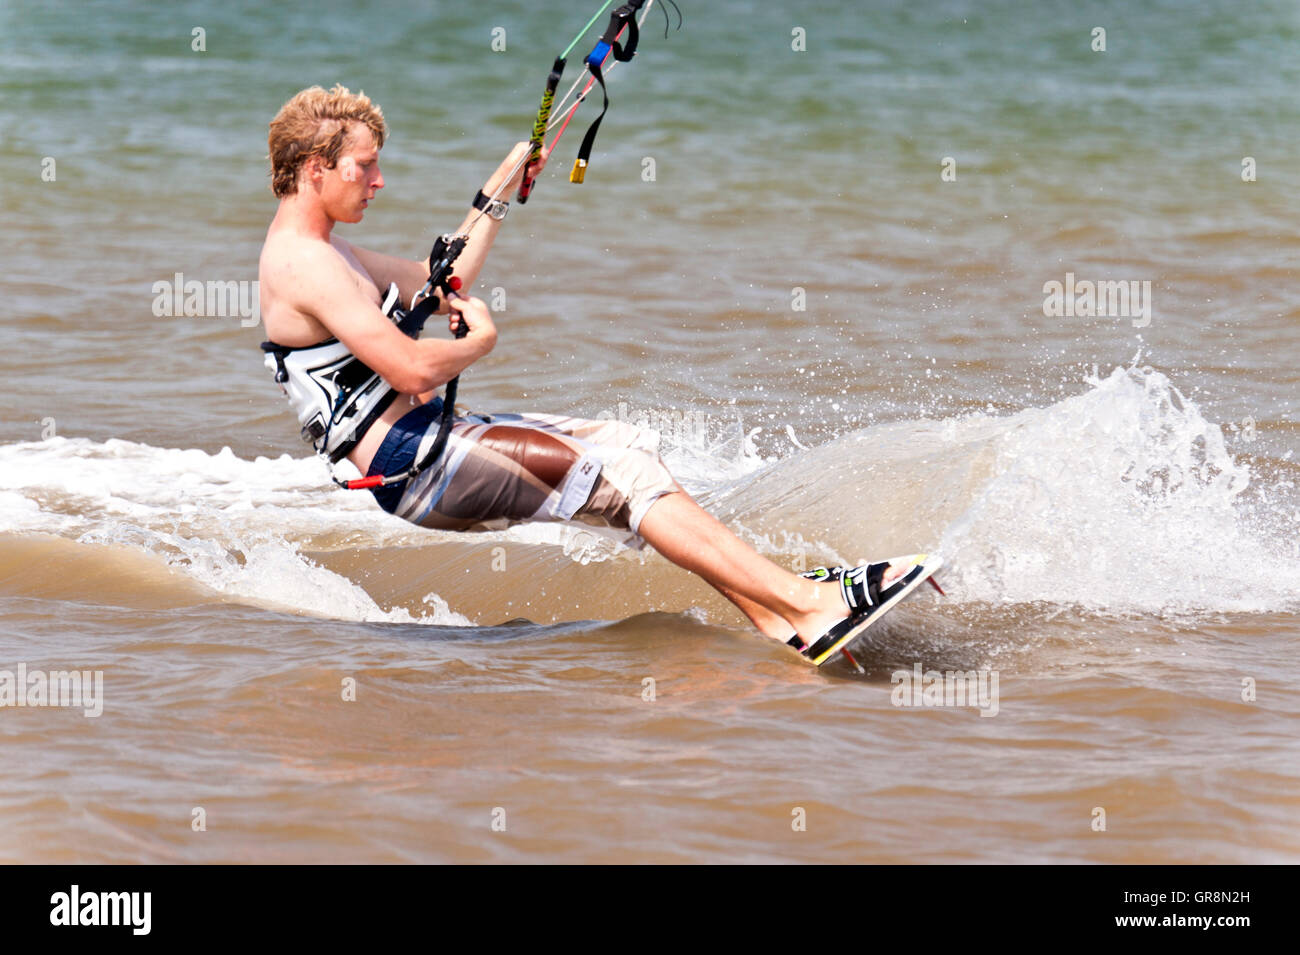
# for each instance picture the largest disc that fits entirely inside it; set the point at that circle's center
(352, 380)
(445, 251)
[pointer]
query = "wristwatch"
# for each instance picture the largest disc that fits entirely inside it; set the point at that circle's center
(495, 208)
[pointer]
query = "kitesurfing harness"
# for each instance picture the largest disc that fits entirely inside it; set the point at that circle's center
(338, 397)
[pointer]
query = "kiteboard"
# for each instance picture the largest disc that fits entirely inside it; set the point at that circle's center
(921, 568)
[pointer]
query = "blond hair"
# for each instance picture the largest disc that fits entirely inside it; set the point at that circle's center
(316, 123)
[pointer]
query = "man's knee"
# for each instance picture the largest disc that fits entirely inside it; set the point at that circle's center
(630, 481)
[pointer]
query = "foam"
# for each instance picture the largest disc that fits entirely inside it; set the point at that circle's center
(1122, 498)
(236, 526)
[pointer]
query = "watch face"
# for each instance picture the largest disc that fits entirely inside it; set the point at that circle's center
(498, 209)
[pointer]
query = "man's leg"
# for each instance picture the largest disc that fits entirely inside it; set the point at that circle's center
(514, 466)
(768, 623)
(694, 539)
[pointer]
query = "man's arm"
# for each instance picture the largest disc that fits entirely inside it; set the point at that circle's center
(410, 275)
(320, 285)
(384, 270)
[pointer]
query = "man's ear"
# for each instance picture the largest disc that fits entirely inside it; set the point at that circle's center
(313, 170)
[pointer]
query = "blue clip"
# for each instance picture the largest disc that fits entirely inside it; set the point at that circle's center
(597, 55)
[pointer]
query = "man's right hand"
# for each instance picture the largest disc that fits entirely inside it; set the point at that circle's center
(474, 313)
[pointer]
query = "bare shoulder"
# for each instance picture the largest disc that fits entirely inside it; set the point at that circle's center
(292, 261)
(302, 280)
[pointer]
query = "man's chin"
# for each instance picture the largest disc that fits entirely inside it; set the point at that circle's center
(349, 213)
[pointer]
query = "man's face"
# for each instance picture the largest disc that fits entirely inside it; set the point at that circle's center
(347, 189)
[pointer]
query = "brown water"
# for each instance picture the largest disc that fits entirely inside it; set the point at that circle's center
(1116, 503)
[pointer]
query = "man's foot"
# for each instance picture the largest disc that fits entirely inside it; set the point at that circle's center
(820, 575)
(861, 589)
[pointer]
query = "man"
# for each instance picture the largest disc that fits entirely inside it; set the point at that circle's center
(365, 390)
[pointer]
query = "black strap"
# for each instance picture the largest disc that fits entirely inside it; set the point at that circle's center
(623, 16)
(346, 448)
(279, 351)
(875, 574)
(412, 323)
(441, 259)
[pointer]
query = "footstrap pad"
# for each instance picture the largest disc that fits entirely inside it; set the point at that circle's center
(860, 587)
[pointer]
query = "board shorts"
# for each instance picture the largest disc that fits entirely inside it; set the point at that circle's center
(503, 469)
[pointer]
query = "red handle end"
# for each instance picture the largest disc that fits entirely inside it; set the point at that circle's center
(361, 483)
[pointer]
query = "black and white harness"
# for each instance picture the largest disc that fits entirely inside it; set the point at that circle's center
(335, 394)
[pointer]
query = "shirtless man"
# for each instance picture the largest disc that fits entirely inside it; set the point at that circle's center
(329, 308)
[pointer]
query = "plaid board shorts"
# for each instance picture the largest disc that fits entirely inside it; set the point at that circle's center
(503, 469)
